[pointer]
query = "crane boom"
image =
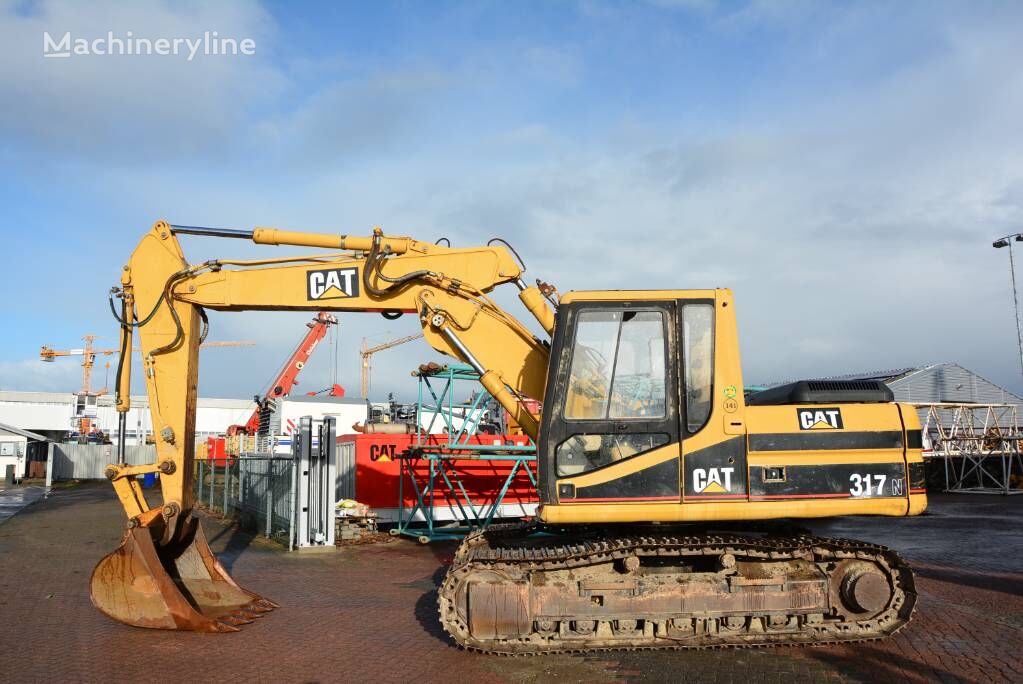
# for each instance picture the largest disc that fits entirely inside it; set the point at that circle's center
(287, 377)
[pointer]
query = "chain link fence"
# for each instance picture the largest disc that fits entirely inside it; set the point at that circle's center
(257, 490)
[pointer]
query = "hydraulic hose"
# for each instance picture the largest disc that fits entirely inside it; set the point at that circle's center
(373, 265)
(124, 343)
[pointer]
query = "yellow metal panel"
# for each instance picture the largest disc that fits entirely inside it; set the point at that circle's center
(694, 512)
(638, 295)
(855, 418)
(728, 407)
(824, 457)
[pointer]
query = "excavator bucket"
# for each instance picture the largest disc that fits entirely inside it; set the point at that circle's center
(179, 585)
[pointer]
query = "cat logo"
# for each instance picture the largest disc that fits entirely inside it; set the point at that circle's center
(382, 452)
(333, 283)
(820, 419)
(712, 480)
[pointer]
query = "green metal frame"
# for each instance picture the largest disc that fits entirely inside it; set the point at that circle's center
(441, 480)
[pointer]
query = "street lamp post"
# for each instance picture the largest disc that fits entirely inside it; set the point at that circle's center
(1007, 242)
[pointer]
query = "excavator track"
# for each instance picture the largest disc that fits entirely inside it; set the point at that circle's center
(529, 590)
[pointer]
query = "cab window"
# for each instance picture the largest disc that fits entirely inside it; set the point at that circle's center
(582, 453)
(618, 366)
(698, 362)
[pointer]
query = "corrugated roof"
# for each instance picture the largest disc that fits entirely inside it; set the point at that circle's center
(951, 383)
(24, 433)
(947, 382)
(884, 376)
(324, 399)
(936, 382)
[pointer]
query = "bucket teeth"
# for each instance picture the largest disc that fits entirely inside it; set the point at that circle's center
(236, 619)
(260, 607)
(225, 626)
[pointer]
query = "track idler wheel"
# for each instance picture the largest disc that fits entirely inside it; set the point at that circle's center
(178, 585)
(859, 590)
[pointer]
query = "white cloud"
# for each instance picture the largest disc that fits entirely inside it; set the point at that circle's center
(128, 108)
(64, 375)
(855, 228)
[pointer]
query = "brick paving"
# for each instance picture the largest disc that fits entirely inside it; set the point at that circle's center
(368, 613)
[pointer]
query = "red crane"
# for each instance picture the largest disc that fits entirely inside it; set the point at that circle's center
(287, 378)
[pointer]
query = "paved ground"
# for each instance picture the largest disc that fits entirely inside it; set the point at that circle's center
(368, 613)
(14, 498)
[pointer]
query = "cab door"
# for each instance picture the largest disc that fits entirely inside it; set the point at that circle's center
(611, 414)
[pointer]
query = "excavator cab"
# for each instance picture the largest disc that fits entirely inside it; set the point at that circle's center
(635, 376)
(645, 420)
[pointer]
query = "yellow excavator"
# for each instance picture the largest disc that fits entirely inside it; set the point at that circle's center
(669, 500)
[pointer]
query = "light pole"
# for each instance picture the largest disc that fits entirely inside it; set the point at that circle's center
(1007, 242)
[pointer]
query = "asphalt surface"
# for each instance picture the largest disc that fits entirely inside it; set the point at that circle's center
(14, 498)
(369, 613)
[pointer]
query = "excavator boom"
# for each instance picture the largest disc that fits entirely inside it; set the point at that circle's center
(163, 300)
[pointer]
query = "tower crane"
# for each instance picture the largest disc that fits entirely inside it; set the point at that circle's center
(83, 422)
(89, 354)
(368, 352)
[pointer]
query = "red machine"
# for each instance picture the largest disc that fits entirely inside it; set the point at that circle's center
(288, 376)
(216, 450)
(377, 474)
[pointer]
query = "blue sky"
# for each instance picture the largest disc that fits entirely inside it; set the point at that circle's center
(842, 166)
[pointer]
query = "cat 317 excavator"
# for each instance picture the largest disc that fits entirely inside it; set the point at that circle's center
(669, 500)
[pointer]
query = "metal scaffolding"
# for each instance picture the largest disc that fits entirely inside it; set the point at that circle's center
(979, 445)
(436, 468)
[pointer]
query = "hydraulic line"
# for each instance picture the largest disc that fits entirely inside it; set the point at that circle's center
(122, 416)
(373, 264)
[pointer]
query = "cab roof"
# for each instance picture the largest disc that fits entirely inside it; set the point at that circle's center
(641, 295)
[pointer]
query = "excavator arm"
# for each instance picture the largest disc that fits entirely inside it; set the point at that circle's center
(163, 301)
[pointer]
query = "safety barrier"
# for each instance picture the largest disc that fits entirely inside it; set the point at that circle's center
(257, 489)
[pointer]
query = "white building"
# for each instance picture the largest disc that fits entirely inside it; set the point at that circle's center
(16, 447)
(51, 414)
(290, 410)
